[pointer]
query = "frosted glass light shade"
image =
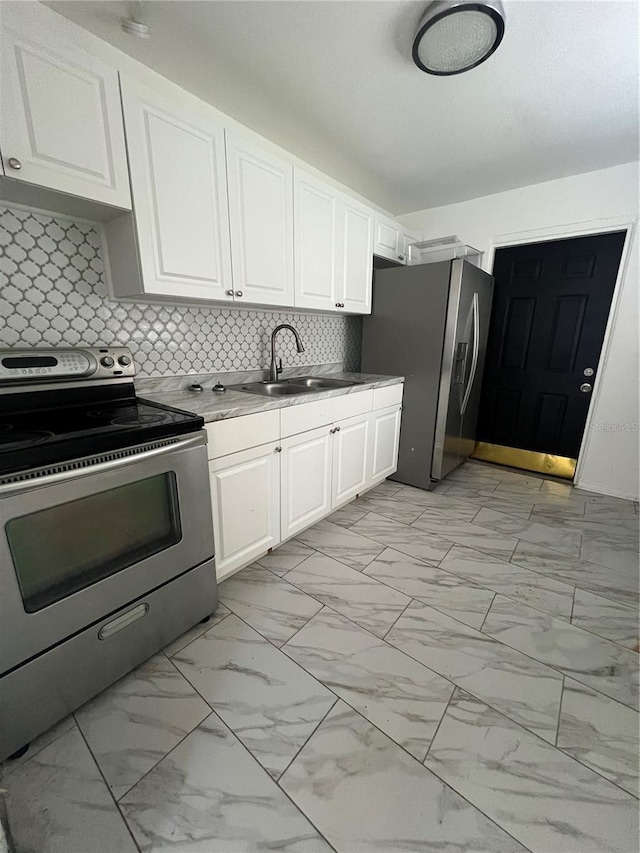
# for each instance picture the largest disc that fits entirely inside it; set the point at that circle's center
(454, 37)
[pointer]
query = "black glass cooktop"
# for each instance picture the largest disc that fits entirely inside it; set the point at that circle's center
(40, 429)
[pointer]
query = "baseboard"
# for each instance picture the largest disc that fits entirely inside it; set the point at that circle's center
(600, 489)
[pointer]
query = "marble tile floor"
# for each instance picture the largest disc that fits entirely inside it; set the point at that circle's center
(453, 670)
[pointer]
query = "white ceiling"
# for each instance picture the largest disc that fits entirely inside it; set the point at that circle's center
(334, 83)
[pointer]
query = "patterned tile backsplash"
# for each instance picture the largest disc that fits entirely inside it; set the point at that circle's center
(53, 293)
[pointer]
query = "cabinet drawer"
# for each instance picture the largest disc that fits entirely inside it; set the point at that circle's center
(236, 434)
(352, 404)
(391, 395)
(315, 414)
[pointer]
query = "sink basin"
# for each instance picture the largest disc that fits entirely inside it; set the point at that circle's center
(295, 385)
(275, 389)
(320, 383)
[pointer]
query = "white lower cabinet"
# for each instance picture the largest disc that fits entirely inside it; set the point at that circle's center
(245, 495)
(385, 435)
(350, 459)
(263, 495)
(305, 480)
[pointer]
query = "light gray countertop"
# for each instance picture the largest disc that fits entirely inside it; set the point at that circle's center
(233, 404)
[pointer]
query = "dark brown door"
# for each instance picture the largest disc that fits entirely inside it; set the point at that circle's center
(550, 308)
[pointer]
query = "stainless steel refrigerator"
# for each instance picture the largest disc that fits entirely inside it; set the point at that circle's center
(429, 323)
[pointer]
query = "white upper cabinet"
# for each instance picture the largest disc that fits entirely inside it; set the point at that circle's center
(316, 208)
(356, 257)
(333, 248)
(407, 240)
(178, 179)
(388, 239)
(391, 240)
(261, 219)
(60, 117)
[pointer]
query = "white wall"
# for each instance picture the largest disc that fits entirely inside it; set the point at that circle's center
(593, 201)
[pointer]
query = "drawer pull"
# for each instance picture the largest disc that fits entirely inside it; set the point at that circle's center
(123, 621)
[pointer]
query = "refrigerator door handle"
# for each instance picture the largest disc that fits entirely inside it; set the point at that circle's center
(476, 351)
(459, 363)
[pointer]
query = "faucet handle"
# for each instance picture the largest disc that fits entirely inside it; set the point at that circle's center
(279, 365)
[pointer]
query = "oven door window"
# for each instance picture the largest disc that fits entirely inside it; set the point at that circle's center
(65, 548)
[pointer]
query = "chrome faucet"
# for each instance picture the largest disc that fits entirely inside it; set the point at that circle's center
(274, 368)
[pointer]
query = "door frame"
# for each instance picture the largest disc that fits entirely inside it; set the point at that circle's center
(590, 228)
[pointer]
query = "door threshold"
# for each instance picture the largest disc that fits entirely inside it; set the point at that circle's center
(526, 460)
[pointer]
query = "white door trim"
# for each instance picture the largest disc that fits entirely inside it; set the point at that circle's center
(566, 232)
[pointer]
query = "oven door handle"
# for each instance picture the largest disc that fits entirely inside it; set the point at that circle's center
(97, 464)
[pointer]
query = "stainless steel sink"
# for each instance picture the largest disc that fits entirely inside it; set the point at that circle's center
(321, 383)
(295, 385)
(275, 389)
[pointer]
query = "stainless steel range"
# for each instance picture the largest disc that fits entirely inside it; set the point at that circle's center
(106, 536)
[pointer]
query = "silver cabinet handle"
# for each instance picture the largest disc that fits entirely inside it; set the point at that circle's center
(337, 429)
(278, 450)
(238, 293)
(15, 163)
(230, 292)
(585, 387)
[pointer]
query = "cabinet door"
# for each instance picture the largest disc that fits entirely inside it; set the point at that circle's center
(407, 240)
(315, 207)
(350, 458)
(356, 257)
(305, 480)
(385, 435)
(245, 495)
(261, 219)
(178, 177)
(388, 238)
(60, 116)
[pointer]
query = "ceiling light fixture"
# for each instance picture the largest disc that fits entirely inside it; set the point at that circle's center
(456, 36)
(133, 26)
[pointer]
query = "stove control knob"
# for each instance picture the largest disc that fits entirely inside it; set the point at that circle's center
(106, 361)
(124, 361)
